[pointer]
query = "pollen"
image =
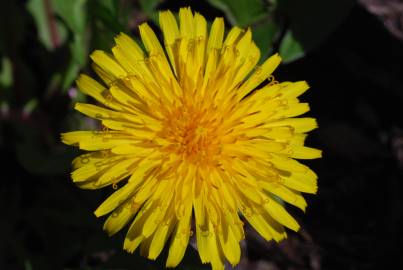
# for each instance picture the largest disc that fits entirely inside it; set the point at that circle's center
(193, 135)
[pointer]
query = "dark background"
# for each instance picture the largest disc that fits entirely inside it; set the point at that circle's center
(350, 53)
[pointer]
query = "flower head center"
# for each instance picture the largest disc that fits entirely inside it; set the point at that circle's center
(192, 135)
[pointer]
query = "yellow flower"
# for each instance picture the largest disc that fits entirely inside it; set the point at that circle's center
(189, 138)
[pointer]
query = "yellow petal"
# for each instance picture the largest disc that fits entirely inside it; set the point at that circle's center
(180, 238)
(216, 35)
(303, 152)
(300, 125)
(281, 215)
(287, 164)
(88, 158)
(108, 64)
(232, 36)
(261, 74)
(131, 57)
(258, 223)
(294, 89)
(171, 33)
(115, 200)
(169, 27)
(303, 182)
(290, 196)
(117, 172)
(131, 50)
(91, 87)
(161, 235)
(186, 23)
(150, 40)
(93, 168)
(216, 255)
(162, 196)
(119, 218)
(231, 247)
(108, 78)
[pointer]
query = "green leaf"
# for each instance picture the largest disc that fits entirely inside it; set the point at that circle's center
(4, 107)
(79, 50)
(6, 73)
(111, 6)
(106, 15)
(241, 12)
(104, 39)
(27, 265)
(148, 6)
(52, 33)
(73, 13)
(290, 48)
(70, 75)
(30, 106)
(312, 21)
(264, 36)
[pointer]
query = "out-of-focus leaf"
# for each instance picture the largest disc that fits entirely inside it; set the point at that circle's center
(70, 75)
(154, 17)
(290, 48)
(148, 6)
(52, 33)
(73, 12)
(241, 12)
(264, 35)
(28, 265)
(6, 73)
(111, 6)
(104, 39)
(53, 84)
(4, 108)
(107, 11)
(30, 106)
(78, 49)
(311, 21)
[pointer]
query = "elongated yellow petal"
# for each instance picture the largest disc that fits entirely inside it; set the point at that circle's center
(290, 196)
(216, 255)
(216, 35)
(108, 64)
(259, 75)
(129, 47)
(119, 218)
(231, 247)
(300, 182)
(162, 232)
(91, 87)
(149, 39)
(171, 33)
(116, 199)
(299, 125)
(186, 23)
(281, 215)
(180, 238)
(303, 152)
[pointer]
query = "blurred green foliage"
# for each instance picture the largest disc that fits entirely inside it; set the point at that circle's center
(44, 45)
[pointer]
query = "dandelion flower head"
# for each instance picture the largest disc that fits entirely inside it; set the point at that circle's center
(195, 139)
